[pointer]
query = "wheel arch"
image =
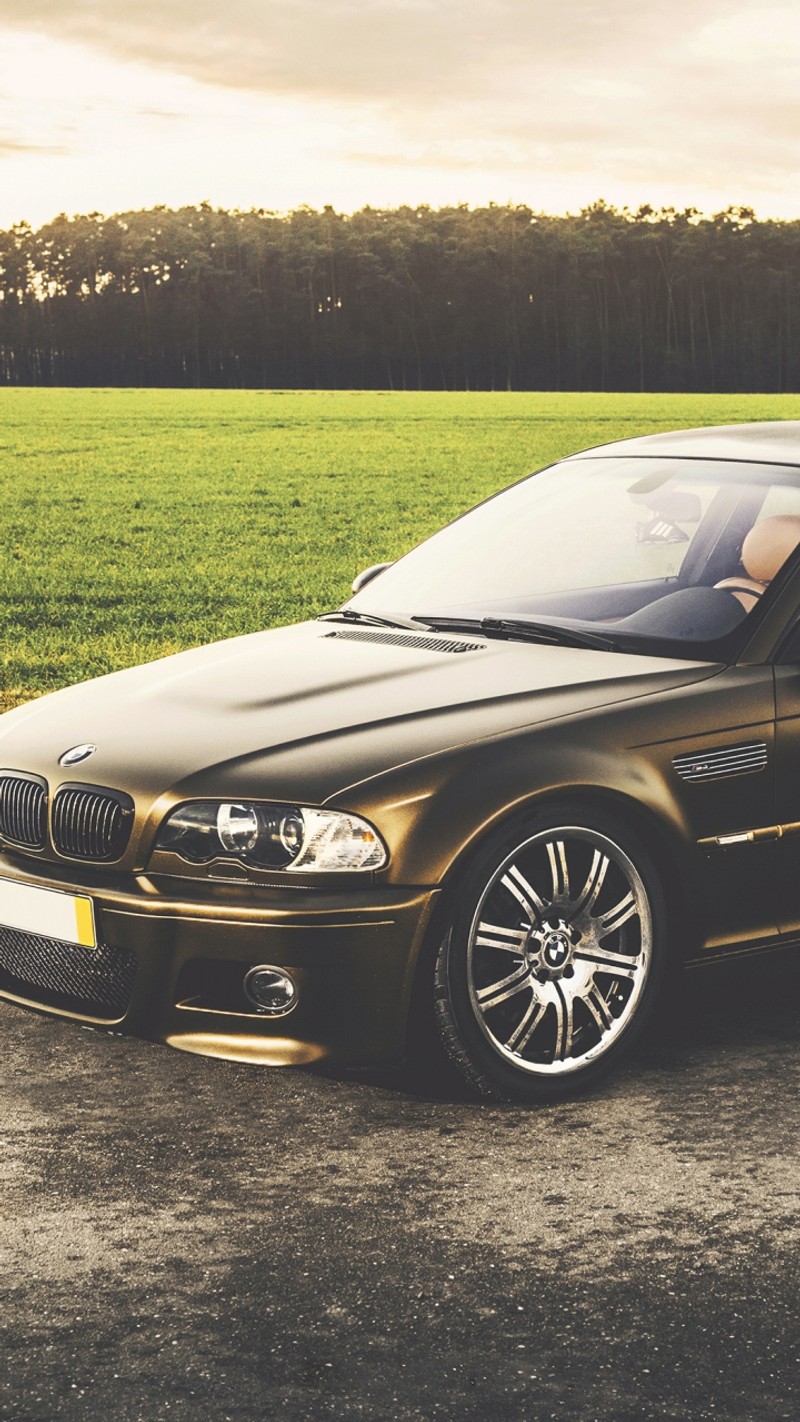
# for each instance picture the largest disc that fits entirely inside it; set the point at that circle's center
(662, 840)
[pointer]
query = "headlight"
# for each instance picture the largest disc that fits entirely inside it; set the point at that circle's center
(272, 836)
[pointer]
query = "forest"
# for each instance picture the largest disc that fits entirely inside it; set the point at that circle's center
(456, 298)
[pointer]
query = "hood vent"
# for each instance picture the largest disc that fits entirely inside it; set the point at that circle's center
(715, 764)
(406, 639)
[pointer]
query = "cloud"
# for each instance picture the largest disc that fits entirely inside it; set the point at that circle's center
(378, 51)
(11, 147)
(703, 95)
(597, 66)
(167, 115)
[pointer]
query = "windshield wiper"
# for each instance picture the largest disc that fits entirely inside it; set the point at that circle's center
(370, 619)
(525, 629)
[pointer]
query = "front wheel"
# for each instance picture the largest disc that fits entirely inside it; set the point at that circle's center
(551, 964)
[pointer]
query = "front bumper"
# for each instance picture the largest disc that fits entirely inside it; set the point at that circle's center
(352, 952)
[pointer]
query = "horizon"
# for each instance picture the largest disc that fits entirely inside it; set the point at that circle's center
(647, 212)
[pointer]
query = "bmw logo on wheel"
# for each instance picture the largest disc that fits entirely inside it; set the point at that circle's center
(76, 754)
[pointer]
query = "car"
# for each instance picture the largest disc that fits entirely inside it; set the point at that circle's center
(493, 803)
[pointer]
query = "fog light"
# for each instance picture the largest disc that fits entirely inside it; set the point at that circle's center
(271, 990)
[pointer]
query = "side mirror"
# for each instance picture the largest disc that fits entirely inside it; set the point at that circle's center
(368, 574)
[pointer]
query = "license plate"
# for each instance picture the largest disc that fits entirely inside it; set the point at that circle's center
(47, 912)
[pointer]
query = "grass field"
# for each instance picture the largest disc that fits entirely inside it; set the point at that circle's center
(139, 522)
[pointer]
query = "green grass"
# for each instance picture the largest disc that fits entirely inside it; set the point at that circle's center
(140, 522)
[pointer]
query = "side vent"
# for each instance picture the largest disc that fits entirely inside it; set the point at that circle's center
(717, 764)
(406, 639)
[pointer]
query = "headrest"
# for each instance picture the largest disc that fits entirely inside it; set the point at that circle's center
(768, 545)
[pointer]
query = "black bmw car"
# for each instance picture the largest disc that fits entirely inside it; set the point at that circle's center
(548, 755)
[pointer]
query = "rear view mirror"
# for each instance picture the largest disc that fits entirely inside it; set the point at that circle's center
(368, 574)
(678, 507)
(673, 504)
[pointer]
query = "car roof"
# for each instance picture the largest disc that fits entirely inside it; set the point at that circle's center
(768, 442)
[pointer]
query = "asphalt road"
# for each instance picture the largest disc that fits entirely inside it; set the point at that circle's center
(184, 1238)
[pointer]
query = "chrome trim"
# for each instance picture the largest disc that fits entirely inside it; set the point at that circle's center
(714, 764)
(749, 836)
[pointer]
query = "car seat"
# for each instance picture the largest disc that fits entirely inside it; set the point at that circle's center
(764, 552)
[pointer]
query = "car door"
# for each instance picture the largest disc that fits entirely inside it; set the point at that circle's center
(787, 794)
(718, 760)
(783, 828)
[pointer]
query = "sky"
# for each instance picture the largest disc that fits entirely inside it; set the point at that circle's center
(109, 106)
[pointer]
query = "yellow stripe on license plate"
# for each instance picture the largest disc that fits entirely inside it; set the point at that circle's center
(69, 918)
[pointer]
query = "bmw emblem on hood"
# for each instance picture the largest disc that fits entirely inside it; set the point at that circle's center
(76, 755)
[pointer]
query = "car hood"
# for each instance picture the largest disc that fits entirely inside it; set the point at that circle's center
(301, 713)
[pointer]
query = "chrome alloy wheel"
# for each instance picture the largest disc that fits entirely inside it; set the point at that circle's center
(559, 951)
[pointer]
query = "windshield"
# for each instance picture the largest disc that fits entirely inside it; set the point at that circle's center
(649, 550)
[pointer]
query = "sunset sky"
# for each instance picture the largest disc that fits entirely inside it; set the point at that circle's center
(105, 105)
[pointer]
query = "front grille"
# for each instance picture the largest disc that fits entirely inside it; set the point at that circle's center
(91, 982)
(90, 822)
(23, 808)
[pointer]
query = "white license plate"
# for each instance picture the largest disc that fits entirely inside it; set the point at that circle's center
(48, 912)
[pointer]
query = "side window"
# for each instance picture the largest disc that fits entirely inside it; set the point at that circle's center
(780, 499)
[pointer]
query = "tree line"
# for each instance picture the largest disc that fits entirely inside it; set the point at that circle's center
(456, 298)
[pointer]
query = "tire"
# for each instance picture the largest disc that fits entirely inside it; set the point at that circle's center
(554, 956)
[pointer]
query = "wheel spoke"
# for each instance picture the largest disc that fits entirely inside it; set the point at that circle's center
(517, 884)
(596, 878)
(563, 1005)
(506, 987)
(495, 935)
(609, 962)
(557, 855)
(614, 918)
(522, 1034)
(599, 1009)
